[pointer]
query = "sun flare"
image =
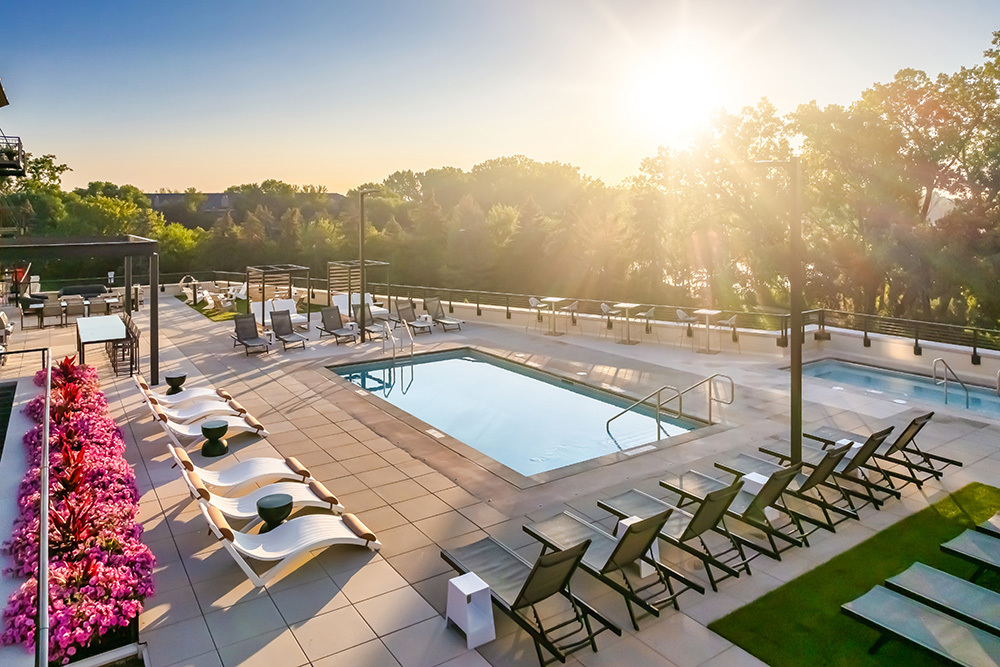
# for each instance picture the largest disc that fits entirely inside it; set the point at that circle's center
(671, 96)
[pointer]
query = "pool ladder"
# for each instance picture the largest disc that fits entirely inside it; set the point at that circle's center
(660, 404)
(944, 379)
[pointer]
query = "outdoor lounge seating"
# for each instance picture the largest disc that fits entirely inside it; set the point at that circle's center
(245, 423)
(286, 544)
(244, 508)
(186, 394)
(246, 335)
(258, 470)
(898, 617)
(332, 324)
(51, 308)
(806, 489)
(517, 586)
(956, 597)
(750, 505)
(608, 557)
(991, 526)
(683, 528)
(281, 325)
(854, 468)
(6, 328)
(374, 328)
(406, 314)
(978, 548)
(193, 411)
(436, 310)
(290, 305)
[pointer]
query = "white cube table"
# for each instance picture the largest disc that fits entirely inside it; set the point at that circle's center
(471, 609)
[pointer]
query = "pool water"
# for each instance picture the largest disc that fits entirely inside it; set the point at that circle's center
(526, 419)
(903, 387)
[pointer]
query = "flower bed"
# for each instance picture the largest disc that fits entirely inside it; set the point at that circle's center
(99, 570)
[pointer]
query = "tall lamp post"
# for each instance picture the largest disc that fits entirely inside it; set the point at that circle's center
(361, 260)
(795, 280)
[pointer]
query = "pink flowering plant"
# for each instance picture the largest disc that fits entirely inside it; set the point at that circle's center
(99, 570)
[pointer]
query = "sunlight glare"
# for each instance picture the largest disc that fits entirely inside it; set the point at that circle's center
(672, 95)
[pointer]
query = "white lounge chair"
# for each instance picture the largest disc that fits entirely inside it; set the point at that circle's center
(260, 470)
(245, 423)
(298, 320)
(189, 394)
(194, 411)
(244, 508)
(285, 544)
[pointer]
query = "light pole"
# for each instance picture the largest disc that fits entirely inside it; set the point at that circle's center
(361, 260)
(795, 281)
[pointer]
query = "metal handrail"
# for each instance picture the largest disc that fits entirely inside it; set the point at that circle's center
(944, 379)
(658, 405)
(711, 386)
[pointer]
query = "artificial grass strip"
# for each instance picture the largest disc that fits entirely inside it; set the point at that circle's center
(214, 315)
(800, 623)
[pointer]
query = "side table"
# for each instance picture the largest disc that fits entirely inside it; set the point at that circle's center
(215, 443)
(273, 509)
(469, 608)
(175, 382)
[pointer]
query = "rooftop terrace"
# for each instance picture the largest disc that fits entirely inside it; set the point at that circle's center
(352, 606)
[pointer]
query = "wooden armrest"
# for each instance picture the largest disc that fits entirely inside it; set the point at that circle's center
(220, 522)
(235, 405)
(199, 486)
(253, 422)
(224, 394)
(297, 467)
(323, 493)
(184, 459)
(358, 528)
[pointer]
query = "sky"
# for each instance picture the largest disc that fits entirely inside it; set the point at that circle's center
(179, 94)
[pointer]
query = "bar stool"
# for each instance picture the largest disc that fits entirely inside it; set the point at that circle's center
(722, 325)
(610, 313)
(537, 306)
(688, 320)
(648, 329)
(572, 309)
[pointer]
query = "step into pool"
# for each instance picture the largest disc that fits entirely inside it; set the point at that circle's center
(528, 420)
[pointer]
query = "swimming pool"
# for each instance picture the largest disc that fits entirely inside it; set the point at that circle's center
(902, 387)
(528, 420)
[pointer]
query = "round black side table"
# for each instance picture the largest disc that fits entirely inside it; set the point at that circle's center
(175, 382)
(215, 444)
(273, 509)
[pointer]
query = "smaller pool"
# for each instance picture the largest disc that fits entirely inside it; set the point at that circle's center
(902, 386)
(528, 420)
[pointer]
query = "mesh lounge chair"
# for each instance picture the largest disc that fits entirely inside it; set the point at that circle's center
(281, 324)
(406, 314)
(804, 496)
(517, 586)
(436, 309)
(608, 555)
(260, 470)
(855, 469)
(247, 336)
(896, 616)
(287, 543)
(332, 324)
(978, 548)
(187, 394)
(957, 597)
(244, 508)
(245, 423)
(374, 328)
(749, 506)
(683, 528)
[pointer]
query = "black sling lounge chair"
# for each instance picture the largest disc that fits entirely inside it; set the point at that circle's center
(281, 325)
(516, 586)
(750, 507)
(247, 336)
(405, 313)
(608, 554)
(374, 328)
(332, 324)
(682, 528)
(433, 306)
(954, 596)
(855, 469)
(804, 496)
(898, 617)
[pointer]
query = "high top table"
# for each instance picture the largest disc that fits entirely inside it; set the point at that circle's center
(98, 329)
(553, 301)
(707, 312)
(627, 308)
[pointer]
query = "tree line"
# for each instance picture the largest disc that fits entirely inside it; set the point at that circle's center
(900, 198)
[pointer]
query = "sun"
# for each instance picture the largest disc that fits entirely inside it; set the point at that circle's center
(669, 97)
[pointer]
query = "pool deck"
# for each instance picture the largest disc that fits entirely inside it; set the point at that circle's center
(349, 606)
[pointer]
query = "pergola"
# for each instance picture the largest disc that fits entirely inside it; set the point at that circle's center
(32, 248)
(278, 277)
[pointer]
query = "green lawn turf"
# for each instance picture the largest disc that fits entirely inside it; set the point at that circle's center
(800, 623)
(214, 315)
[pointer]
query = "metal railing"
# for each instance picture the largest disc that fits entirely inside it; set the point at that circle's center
(710, 383)
(658, 405)
(944, 379)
